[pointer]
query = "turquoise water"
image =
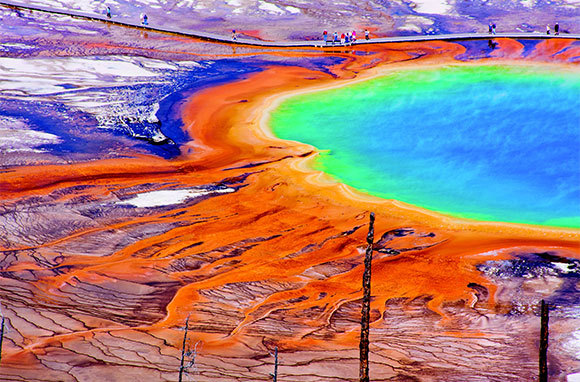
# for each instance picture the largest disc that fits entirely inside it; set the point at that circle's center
(493, 143)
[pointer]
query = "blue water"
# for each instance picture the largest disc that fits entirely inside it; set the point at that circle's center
(490, 143)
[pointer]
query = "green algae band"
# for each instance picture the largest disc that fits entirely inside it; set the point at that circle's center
(494, 143)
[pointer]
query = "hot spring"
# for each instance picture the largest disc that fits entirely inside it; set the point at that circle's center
(492, 143)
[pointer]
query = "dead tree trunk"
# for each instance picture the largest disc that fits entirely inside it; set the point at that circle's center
(183, 350)
(1, 335)
(545, 317)
(366, 305)
(275, 376)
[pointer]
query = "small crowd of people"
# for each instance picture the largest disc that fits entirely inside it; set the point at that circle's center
(491, 28)
(347, 38)
(144, 18)
(556, 29)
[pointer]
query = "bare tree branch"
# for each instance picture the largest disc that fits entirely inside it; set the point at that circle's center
(1, 334)
(188, 354)
(366, 304)
(183, 350)
(276, 364)
(545, 317)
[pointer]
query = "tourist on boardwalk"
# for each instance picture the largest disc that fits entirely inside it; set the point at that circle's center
(347, 38)
(145, 20)
(325, 36)
(109, 12)
(234, 37)
(367, 34)
(342, 38)
(557, 29)
(490, 28)
(353, 36)
(547, 29)
(335, 40)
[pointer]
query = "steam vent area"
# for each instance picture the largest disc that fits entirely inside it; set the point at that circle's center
(290, 191)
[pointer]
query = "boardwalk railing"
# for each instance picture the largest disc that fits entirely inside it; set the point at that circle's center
(288, 44)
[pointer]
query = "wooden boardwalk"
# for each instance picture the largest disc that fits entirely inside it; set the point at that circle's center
(276, 44)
